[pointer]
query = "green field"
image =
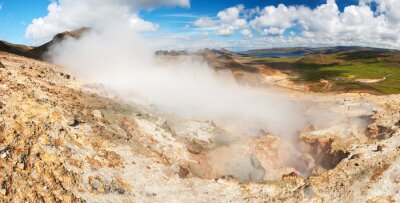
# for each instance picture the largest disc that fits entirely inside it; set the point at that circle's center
(343, 69)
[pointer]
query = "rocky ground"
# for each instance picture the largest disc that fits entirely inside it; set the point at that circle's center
(63, 141)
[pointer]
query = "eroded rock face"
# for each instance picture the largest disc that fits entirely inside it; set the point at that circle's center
(61, 143)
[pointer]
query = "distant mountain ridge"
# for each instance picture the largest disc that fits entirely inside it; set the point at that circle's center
(310, 50)
(39, 51)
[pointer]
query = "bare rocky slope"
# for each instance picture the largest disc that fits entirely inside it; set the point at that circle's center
(63, 141)
(39, 52)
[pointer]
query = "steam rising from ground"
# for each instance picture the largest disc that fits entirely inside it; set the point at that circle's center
(124, 62)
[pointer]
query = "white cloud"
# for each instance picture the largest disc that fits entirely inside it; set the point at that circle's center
(70, 14)
(231, 16)
(275, 20)
(249, 13)
(231, 20)
(204, 22)
(246, 32)
(142, 25)
(324, 18)
(356, 24)
(324, 25)
(137, 4)
(228, 21)
(389, 8)
(226, 30)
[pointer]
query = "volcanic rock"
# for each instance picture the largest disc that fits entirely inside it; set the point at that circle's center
(195, 148)
(97, 114)
(183, 172)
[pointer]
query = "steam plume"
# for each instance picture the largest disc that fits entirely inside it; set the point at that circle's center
(114, 55)
(122, 61)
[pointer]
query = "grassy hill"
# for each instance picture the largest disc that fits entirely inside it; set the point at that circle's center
(346, 70)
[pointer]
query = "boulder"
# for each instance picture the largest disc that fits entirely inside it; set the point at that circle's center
(97, 114)
(183, 172)
(195, 148)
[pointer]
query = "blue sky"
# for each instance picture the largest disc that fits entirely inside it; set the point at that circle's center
(15, 15)
(177, 21)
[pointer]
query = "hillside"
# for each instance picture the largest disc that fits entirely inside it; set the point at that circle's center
(40, 51)
(224, 59)
(14, 48)
(366, 70)
(64, 141)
